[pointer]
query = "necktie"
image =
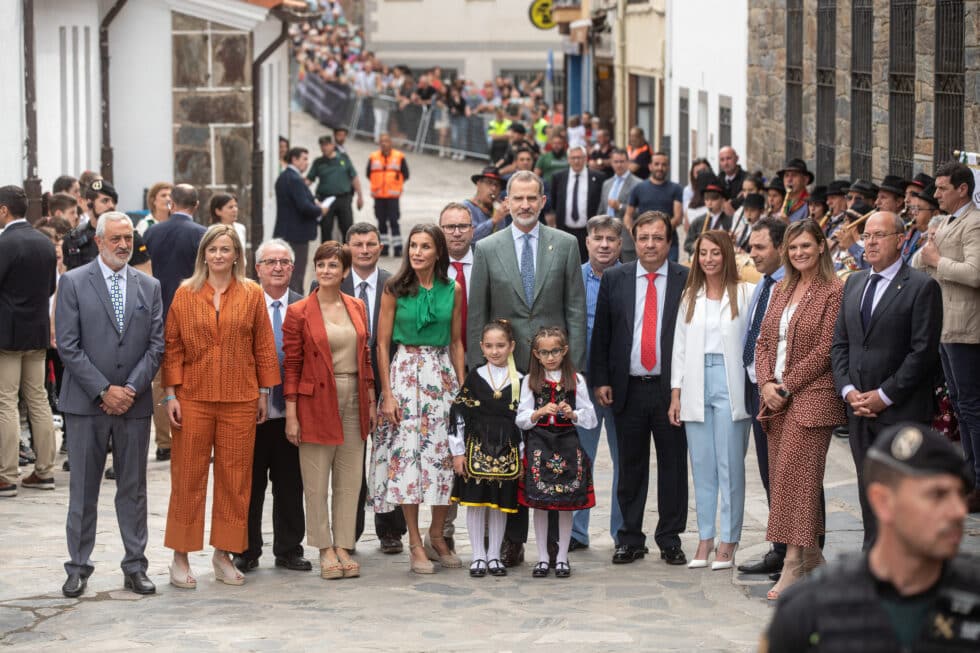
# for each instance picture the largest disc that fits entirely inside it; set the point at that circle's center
(363, 296)
(867, 306)
(278, 400)
(748, 353)
(527, 269)
(648, 342)
(461, 280)
(575, 200)
(614, 194)
(116, 296)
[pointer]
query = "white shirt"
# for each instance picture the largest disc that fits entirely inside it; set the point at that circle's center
(519, 242)
(660, 283)
(712, 327)
(274, 413)
(372, 292)
(467, 262)
(584, 410)
(784, 321)
(713, 221)
(582, 199)
(107, 273)
(493, 375)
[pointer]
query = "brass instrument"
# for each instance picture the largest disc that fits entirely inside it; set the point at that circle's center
(746, 268)
(848, 264)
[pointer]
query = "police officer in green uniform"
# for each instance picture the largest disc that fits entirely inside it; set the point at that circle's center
(79, 245)
(911, 591)
(336, 177)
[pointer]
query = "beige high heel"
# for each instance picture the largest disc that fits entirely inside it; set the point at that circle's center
(448, 560)
(188, 582)
(420, 567)
(221, 576)
(812, 559)
(791, 573)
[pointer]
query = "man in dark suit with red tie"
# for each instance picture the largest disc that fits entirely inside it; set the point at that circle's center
(632, 344)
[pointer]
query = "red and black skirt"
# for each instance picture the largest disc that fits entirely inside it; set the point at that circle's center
(557, 473)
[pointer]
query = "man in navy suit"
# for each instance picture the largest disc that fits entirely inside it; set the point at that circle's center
(297, 213)
(632, 343)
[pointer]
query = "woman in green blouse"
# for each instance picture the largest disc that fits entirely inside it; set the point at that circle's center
(421, 315)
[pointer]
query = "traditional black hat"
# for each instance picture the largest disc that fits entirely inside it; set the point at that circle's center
(922, 180)
(797, 165)
(489, 172)
(864, 188)
(708, 182)
(754, 201)
(101, 187)
(838, 187)
(917, 450)
(818, 196)
(858, 209)
(893, 184)
(929, 195)
(776, 184)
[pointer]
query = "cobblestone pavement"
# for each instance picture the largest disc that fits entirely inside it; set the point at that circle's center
(646, 606)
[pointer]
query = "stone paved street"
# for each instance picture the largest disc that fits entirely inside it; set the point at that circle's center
(646, 606)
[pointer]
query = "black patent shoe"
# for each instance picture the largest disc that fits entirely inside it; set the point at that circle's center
(478, 569)
(541, 570)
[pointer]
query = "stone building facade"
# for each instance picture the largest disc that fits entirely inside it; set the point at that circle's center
(862, 88)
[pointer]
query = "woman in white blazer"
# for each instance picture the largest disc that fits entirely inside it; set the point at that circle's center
(707, 383)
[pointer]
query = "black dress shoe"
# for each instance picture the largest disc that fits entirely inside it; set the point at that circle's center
(110, 473)
(245, 565)
(391, 545)
(74, 586)
(295, 562)
(511, 553)
(770, 564)
(139, 583)
(673, 555)
(65, 467)
(626, 554)
(541, 570)
(575, 545)
(163, 455)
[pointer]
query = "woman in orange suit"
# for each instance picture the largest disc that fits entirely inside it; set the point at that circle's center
(330, 407)
(219, 364)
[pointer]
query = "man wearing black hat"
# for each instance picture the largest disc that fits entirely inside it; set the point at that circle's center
(847, 248)
(819, 210)
(891, 194)
(795, 178)
(922, 208)
(79, 246)
(713, 192)
(885, 351)
(862, 190)
(836, 204)
(753, 204)
(918, 184)
(911, 591)
(775, 198)
(485, 218)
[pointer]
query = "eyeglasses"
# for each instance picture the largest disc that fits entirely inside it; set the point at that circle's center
(456, 227)
(551, 353)
(273, 262)
(879, 235)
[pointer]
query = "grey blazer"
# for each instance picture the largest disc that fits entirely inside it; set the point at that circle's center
(95, 354)
(624, 193)
(496, 291)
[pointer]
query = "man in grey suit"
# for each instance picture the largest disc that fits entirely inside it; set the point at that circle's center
(109, 322)
(530, 274)
(615, 193)
(885, 353)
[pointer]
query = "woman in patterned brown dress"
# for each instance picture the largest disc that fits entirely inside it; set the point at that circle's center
(799, 407)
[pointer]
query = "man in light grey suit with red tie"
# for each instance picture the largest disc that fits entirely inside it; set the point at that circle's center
(109, 327)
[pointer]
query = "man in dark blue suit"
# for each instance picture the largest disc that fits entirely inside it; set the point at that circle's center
(632, 343)
(297, 213)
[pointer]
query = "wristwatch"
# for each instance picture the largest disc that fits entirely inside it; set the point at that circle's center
(264, 391)
(103, 392)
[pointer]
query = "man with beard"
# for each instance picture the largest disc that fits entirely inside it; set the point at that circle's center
(80, 248)
(910, 592)
(657, 195)
(554, 160)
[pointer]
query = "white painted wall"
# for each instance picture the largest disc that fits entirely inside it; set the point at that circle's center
(274, 119)
(707, 42)
(13, 166)
(141, 106)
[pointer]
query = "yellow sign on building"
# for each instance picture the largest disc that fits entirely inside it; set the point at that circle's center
(540, 13)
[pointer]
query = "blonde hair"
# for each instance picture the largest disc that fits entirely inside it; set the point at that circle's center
(215, 231)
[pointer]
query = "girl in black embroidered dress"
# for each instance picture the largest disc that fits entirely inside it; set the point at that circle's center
(557, 471)
(485, 441)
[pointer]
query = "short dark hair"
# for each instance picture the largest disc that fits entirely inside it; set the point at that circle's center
(337, 130)
(61, 202)
(603, 221)
(333, 249)
(295, 153)
(15, 199)
(63, 184)
(324, 140)
(653, 216)
(453, 206)
(218, 202)
(618, 150)
(361, 229)
(775, 227)
(185, 196)
(660, 153)
(958, 175)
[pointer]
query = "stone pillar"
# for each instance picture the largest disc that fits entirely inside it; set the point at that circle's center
(925, 79)
(810, 83)
(842, 154)
(971, 116)
(766, 75)
(879, 90)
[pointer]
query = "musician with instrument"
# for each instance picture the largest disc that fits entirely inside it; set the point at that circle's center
(775, 198)
(713, 192)
(818, 207)
(891, 195)
(795, 178)
(846, 247)
(747, 215)
(862, 190)
(836, 204)
(917, 184)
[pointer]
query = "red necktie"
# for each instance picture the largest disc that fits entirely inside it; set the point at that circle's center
(461, 280)
(648, 343)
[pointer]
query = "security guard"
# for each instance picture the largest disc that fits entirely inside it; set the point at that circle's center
(79, 246)
(911, 592)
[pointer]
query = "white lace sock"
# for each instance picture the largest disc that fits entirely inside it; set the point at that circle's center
(475, 524)
(498, 523)
(564, 534)
(541, 533)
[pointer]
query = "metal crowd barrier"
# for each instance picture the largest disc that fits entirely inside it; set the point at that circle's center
(413, 127)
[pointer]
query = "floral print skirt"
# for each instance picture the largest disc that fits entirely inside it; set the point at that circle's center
(411, 462)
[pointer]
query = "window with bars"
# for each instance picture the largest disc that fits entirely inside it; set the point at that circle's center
(724, 121)
(901, 88)
(862, 34)
(683, 133)
(826, 89)
(794, 79)
(950, 69)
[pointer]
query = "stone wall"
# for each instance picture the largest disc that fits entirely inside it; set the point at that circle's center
(767, 72)
(212, 95)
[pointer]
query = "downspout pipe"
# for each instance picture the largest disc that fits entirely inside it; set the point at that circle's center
(258, 192)
(104, 78)
(32, 183)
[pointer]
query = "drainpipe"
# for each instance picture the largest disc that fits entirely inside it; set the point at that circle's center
(32, 183)
(622, 126)
(104, 75)
(258, 192)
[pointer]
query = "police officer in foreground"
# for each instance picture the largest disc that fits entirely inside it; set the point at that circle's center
(911, 592)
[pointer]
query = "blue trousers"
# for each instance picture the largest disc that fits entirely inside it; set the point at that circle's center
(717, 447)
(590, 442)
(960, 364)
